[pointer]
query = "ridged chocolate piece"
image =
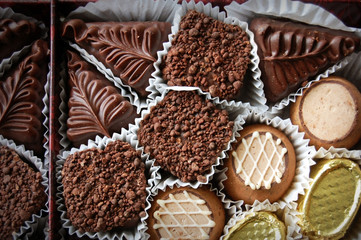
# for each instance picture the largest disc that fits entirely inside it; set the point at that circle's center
(16, 34)
(292, 53)
(95, 105)
(129, 49)
(21, 94)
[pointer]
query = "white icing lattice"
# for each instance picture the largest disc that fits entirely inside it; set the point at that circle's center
(189, 217)
(260, 150)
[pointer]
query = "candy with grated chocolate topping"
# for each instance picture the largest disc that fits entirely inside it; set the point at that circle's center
(21, 192)
(185, 134)
(104, 189)
(209, 54)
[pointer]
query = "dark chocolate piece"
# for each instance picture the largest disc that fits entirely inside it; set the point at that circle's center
(14, 35)
(129, 49)
(21, 104)
(104, 189)
(21, 192)
(292, 53)
(95, 105)
(209, 54)
(185, 134)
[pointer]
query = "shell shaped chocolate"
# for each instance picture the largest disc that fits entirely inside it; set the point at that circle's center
(129, 49)
(16, 34)
(95, 106)
(291, 53)
(21, 93)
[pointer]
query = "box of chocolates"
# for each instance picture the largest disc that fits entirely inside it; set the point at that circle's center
(180, 119)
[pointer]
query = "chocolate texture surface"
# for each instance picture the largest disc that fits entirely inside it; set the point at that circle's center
(16, 34)
(95, 104)
(129, 49)
(209, 54)
(185, 134)
(21, 192)
(104, 189)
(21, 105)
(292, 53)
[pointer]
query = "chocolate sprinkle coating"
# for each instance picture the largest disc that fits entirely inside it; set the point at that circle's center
(209, 54)
(21, 192)
(185, 134)
(104, 189)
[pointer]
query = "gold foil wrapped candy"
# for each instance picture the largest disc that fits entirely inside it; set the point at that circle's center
(331, 203)
(258, 225)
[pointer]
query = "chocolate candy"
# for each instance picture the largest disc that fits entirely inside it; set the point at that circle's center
(21, 192)
(129, 49)
(209, 54)
(95, 105)
(332, 201)
(292, 53)
(104, 189)
(21, 105)
(16, 34)
(185, 134)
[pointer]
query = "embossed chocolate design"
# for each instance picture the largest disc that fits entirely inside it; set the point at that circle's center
(16, 34)
(291, 53)
(129, 49)
(21, 105)
(95, 105)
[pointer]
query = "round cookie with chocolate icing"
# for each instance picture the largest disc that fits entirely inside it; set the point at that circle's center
(186, 213)
(261, 165)
(329, 112)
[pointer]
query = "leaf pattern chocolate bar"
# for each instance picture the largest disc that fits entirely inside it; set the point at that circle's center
(21, 93)
(129, 49)
(292, 53)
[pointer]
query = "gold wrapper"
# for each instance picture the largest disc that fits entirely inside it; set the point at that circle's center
(258, 225)
(331, 203)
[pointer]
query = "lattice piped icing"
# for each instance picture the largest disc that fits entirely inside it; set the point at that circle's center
(183, 216)
(259, 160)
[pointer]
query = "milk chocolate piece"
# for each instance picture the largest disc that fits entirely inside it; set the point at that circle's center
(261, 165)
(105, 189)
(95, 105)
(292, 53)
(329, 113)
(129, 49)
(21, 104)
(21, 192)
(208, 54)
(16, 34)
(186, 213)
(185, 134)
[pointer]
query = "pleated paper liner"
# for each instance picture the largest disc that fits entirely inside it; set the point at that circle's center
(303, 151)
(38, 220)
(252, 91)
(298, 11)
(100, 143)
(122, 11)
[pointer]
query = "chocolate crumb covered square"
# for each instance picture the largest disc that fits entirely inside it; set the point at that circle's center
(21, 192)
(208, 54)
(104, 189)
(185, 134)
